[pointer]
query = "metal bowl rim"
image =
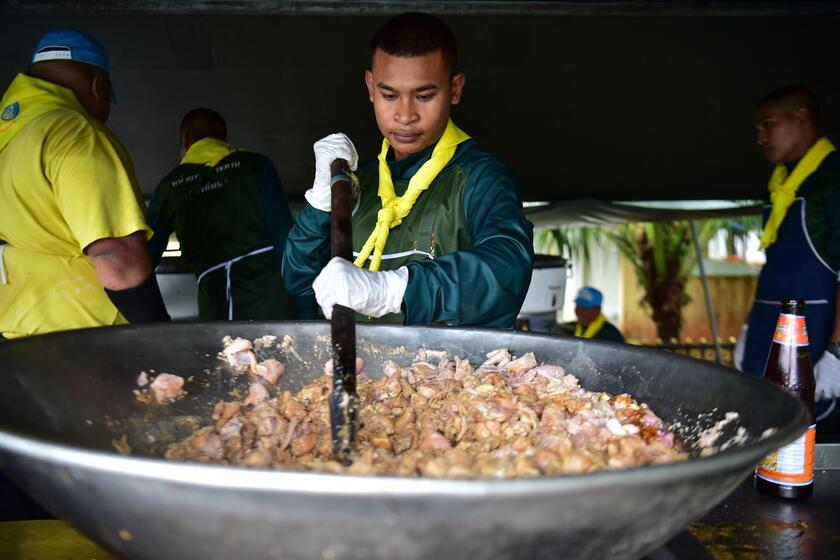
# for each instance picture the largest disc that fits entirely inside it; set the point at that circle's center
(737, 457)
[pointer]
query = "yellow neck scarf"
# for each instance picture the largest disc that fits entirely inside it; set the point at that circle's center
(28, 97)
(395, 208)
(593, 328)
(783, 187)
(207, 151)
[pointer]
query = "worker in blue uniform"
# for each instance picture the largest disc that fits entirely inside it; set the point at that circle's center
(801, 237)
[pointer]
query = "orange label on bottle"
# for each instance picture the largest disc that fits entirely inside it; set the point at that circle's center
(793, 464)
(791, 330)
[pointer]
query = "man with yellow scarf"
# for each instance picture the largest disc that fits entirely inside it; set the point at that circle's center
(71, 211)
(439, 234)
(801, 237)
(591, 321)
(229, 210)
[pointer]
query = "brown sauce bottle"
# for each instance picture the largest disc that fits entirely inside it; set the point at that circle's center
(789, 471)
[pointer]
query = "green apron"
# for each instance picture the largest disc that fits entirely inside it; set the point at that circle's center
(217, 215)
(434, 227)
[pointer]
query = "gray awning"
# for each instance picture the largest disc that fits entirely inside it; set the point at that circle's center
(591, 212)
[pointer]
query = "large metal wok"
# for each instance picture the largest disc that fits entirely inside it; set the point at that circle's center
(65, 399)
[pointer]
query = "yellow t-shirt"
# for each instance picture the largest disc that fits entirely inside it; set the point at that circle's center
(65, 182)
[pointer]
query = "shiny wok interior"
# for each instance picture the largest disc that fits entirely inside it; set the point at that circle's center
(67, 404)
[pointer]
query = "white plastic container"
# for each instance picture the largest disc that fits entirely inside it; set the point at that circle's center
(548, 285)
(545, 294)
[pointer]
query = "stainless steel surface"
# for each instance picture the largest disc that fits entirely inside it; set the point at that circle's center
(827, 456)
(748, 524)
(65, 397)
(180, 294)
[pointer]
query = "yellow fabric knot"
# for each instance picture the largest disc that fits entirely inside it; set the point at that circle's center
(783, 187)
(208, 152)
(394, 208)
(387, 215)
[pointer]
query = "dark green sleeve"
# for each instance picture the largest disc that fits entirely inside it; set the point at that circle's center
(161, 216)
(486, 284)
(307, 250)
(278, 221)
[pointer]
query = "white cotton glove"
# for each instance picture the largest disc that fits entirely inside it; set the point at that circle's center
(827, 372)
(738, 353)
(327, 150)
(370, 293)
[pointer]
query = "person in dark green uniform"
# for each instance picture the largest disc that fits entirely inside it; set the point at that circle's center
(439, 234)
(232, 219)
(591, 322)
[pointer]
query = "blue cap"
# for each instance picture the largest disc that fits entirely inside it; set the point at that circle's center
(589, 297)
(67, 44)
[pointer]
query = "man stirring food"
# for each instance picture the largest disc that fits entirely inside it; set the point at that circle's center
(439, 234)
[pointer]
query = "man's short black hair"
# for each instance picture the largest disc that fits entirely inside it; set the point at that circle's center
(204, 123)
(792, 98)
(416, 34)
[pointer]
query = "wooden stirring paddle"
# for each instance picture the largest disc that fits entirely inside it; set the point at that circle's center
(343, 399)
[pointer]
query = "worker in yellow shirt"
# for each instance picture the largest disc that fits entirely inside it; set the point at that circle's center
(71, 212)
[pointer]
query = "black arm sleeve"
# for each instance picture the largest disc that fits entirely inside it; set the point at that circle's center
(141, 304)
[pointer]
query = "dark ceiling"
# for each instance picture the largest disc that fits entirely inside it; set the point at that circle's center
(626, 101)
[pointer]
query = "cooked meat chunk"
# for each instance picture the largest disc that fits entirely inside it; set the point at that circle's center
(438, 417)
(256, 394)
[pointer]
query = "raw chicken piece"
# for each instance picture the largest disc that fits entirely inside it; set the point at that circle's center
(266, 341)
(271, 370)
(520, 365)
(167, 387)
(238, 353)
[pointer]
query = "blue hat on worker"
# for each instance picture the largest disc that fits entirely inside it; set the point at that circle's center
(589, 297)
(67, 44)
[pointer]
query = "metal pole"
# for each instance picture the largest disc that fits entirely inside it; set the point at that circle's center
(703, 280)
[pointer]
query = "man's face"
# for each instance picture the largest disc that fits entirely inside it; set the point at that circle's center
(586, 315)
(780, 132)
(411, 97)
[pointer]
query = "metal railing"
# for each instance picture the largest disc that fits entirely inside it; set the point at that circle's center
(703, 351)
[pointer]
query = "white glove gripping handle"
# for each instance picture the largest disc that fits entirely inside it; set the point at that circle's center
(327, 149)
